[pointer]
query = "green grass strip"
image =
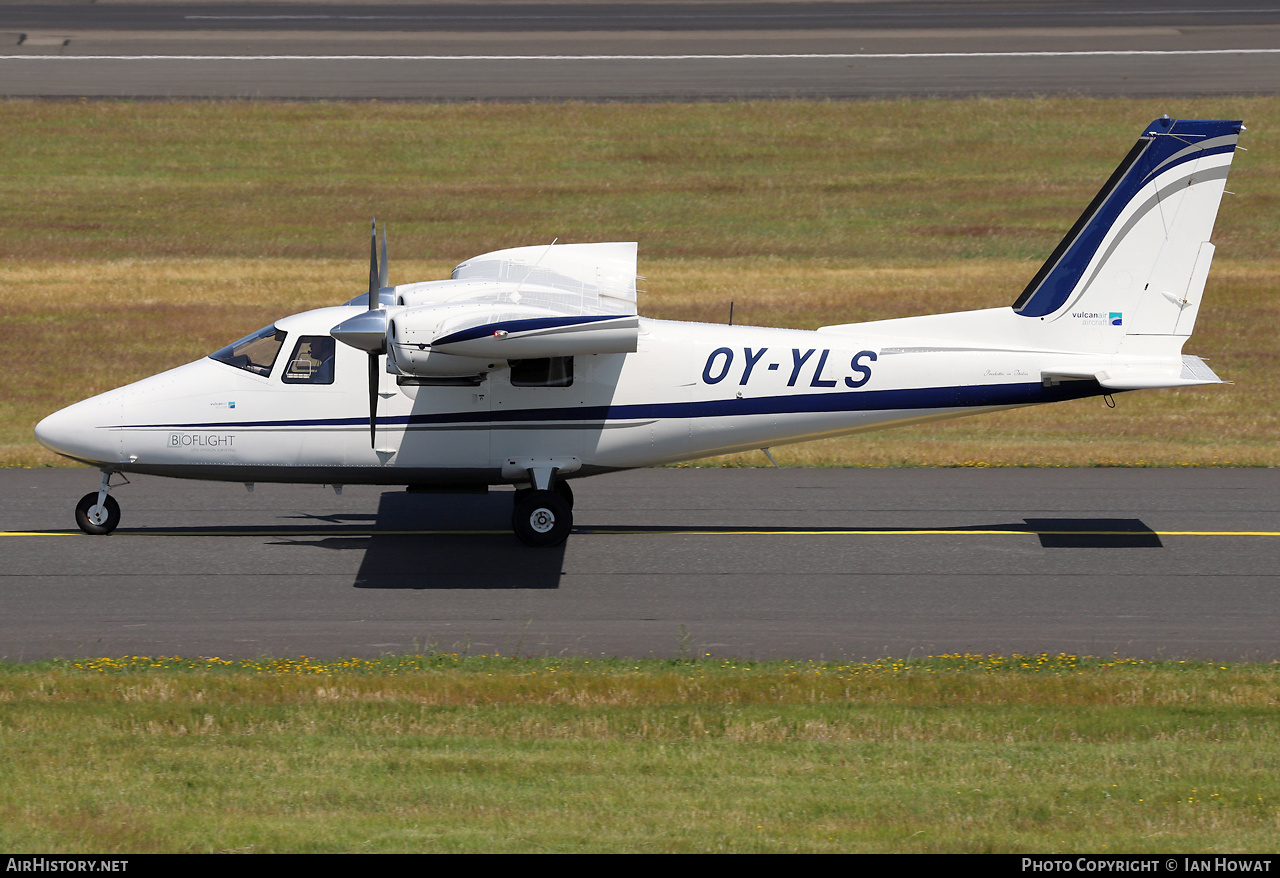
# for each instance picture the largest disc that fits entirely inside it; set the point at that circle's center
(446, 752)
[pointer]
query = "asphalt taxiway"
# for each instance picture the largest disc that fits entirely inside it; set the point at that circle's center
(796, 563)
(637, 50)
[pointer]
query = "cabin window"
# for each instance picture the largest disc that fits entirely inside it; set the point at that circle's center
(545, 372)
(311, 361)
(254, 353)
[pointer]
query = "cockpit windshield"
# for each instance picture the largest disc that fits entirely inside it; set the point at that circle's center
(254, 353)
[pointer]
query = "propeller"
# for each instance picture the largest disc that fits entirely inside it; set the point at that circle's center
(368, 331)
(382, 266)
(376, 280)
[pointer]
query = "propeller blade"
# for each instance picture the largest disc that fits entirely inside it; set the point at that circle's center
(373, 400)
(367, 332)
(374, 286)
(382, 266)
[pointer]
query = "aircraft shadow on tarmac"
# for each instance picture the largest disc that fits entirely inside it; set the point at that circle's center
(1053, 533)
(464, 543)
(1094, 533)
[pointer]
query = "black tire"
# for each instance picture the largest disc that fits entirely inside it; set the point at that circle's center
(87, 502)
(562, 488)
(542, 518)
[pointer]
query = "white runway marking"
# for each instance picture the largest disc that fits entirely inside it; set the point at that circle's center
(814, 56)
(713, 16)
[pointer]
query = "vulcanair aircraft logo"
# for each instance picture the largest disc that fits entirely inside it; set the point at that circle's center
(1098, 318)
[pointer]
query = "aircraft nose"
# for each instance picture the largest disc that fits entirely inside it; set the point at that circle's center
(55, 431)
(78, 431)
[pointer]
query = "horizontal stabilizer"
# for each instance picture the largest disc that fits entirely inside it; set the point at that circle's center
(1189, 372)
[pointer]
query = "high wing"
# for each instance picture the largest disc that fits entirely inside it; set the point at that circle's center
(572, 278)
(515, 304)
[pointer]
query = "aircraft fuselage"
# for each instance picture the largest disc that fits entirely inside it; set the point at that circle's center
(690, 390)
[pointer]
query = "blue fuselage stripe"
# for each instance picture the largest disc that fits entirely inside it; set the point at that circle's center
(973, 396)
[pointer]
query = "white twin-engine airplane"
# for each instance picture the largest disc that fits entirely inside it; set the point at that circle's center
(530, 366)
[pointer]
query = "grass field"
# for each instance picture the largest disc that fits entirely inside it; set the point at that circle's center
(136, 237)
(488, 753)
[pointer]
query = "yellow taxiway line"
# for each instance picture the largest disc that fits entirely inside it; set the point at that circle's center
(660, 530)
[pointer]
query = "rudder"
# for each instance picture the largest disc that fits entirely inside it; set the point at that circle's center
(1137, 259)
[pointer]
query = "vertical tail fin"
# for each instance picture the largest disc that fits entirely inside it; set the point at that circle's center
(1137, 259)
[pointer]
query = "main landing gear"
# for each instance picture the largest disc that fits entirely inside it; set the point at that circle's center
(543, 517)
(98, 513)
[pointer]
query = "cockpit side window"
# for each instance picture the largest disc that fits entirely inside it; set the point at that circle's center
(311, 361)
(254, 353)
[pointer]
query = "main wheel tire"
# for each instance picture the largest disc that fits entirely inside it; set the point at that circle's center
(542, 518)
(562, 488)
(94, 519)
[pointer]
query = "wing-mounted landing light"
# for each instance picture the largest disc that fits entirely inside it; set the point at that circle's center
(368, 331)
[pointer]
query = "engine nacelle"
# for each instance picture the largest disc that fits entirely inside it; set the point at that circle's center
(427, 363)
(469, 339)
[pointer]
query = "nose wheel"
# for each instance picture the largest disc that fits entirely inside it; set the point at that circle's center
(99, 513)
(97, 518)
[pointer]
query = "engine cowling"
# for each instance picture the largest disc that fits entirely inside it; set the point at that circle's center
(466, 339)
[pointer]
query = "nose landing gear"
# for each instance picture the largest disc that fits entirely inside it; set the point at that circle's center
(98, 513)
